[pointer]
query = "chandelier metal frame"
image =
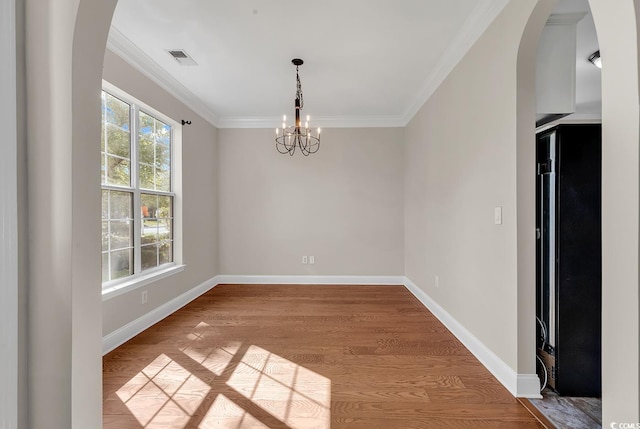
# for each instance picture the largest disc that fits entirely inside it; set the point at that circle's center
(290, 137)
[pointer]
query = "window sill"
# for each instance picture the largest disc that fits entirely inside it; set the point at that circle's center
(111, 291)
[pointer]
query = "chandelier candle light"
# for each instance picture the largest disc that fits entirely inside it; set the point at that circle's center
(296, 135)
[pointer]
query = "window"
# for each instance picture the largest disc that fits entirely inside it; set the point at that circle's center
(138, 189)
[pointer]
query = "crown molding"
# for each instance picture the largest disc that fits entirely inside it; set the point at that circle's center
(318, 121)
(476, 24)
(120, 45)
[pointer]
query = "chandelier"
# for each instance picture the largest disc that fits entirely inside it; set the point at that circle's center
(296, 135)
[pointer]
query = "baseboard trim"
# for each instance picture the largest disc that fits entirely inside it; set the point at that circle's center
(312, 280)
(528, 386)
(520, 385)
(133, 328)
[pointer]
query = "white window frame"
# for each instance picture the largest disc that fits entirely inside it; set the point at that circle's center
(139, 279)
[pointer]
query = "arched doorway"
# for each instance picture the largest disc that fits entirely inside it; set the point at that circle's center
(64, 48)
(618, 34)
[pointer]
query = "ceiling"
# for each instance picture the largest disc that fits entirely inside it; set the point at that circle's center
(588, 77)
(367, 63)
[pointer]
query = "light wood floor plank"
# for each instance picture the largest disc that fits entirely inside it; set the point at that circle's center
(265, 356)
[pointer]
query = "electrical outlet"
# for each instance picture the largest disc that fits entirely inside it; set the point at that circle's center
(145, 296)
(304, 259)
(312, 260)
(437, 281)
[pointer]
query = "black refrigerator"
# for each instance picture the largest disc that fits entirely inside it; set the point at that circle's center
(569, 258)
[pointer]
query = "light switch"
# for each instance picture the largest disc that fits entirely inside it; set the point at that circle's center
(497, 216)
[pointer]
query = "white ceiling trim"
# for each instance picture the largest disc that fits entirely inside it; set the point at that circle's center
(317, 121)
(120, 45)
(476, 24)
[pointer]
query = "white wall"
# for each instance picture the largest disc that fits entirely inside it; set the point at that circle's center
(199, 198)
(468, 151)
(23, 255)
(10, 322)
(617, 27)
(460, 165)
(342, 205)
(62, 117)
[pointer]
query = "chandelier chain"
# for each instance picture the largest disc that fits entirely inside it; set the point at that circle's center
(299, 89)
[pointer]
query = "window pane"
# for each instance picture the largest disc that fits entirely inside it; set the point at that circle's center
(149, 256)
(121, 264)
(163, 156)
(164, 133)
(103, 169)
(105, 237)
(120, 234)
(146, 126)
(149, 231)
(118, 141)
(118, 172)
(164, 206)
(105, 267)
(149, 205)
(115, 140)
(120, 205)
(105, 204)
(155, 153)
(164, 229)
(117, 235)
(166, 252)
(146, 176)
(163, 180)
(146, 151)
(116, 111)
(150, 222)
(146, 142)
(102, 137)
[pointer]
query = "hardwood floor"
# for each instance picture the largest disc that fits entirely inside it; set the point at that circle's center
(262, 356)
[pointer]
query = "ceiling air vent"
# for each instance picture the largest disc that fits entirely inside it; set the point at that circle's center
(182, 57)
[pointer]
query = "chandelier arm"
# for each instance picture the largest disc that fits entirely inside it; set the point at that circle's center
(281, 146)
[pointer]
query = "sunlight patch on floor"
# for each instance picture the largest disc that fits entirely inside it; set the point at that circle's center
(163, 392)
(215, 359)
(293, 394)
(224, 413)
